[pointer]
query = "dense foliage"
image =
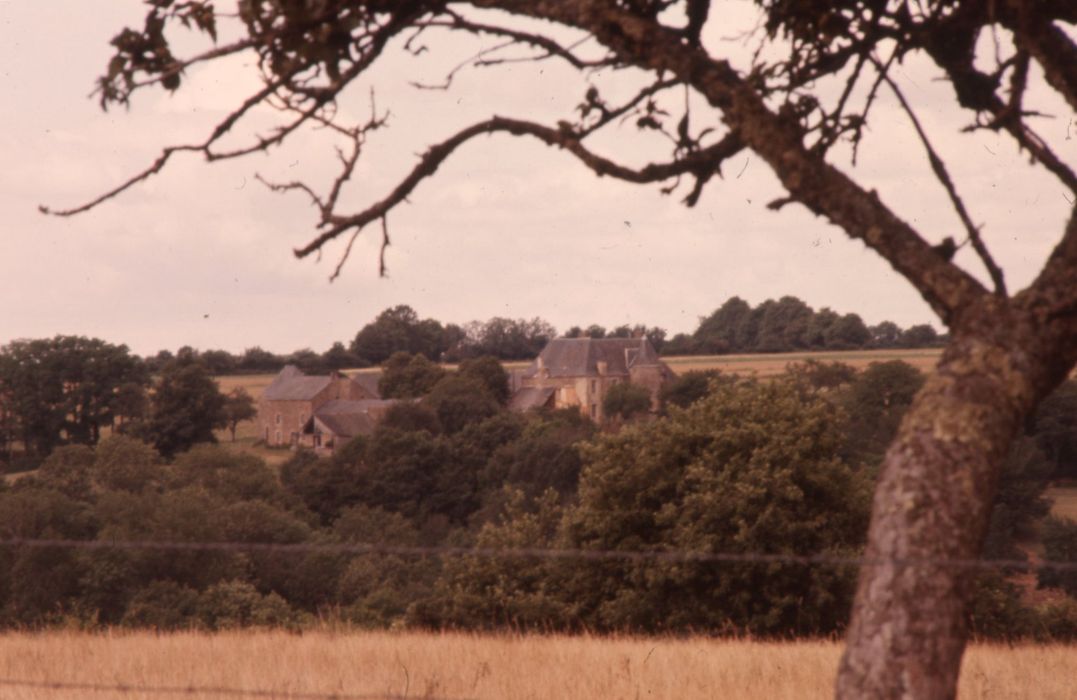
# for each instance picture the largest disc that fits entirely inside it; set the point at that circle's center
(789, 324)
(735, 466)
(65, 389)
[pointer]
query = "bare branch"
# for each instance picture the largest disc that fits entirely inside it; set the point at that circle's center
(318, 99)
(346, 254)
(702, 164)
(475, 59)
(858, 131)
(551, 47)
(1053, 50)
(175, 70)
(969, 85)
(939, 168)
(384, 245)
(166, 154)
(610, 115)
(809, 179)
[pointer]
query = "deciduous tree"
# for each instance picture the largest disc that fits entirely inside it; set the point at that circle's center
(187, 406)
(65, 389)
(626, 400)
(238, 407)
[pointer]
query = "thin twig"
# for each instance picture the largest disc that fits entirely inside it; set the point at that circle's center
(939, 168)
(695, 163)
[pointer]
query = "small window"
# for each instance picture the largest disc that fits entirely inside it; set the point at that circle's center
(594, 411)
(278, 422)
(594, 385)
(278, 438)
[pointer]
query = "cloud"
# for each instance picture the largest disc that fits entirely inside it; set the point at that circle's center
(508, 227)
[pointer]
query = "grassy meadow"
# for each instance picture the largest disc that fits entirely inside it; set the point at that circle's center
(456, 666)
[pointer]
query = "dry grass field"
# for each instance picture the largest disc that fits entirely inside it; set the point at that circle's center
(771, 365)
(1063, 501)
(456, 666)
(759, 365)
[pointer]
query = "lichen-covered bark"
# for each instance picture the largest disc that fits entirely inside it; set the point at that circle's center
(935, 491)
(931, 506)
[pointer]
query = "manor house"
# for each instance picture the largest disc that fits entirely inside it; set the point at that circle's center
(577, 372)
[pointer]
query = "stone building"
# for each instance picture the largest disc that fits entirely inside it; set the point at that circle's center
(577, 372)
(336, 422)
(288, 407)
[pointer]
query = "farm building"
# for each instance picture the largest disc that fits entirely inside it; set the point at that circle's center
(577, 372)
(318, 411)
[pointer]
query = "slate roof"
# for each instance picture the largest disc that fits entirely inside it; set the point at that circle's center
(579, 357)
(369, 382)
(530, 397)
(348, 418)
(292, 385)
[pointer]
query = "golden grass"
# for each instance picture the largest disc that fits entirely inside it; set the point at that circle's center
(761, 365)
(469, 666)
(771, 365)
(1063, 501)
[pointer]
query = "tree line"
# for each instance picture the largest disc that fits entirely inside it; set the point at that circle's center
(730, 465)
(785, 325)
(71, 390)
(789, 324)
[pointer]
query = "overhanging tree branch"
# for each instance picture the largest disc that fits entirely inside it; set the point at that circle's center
(1050, 46)
(777, 139)
(939, 168)
(701, 164)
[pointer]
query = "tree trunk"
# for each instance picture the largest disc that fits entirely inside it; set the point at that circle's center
(933, 502)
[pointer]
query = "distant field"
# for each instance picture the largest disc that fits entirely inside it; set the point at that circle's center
(255, 384)
(458, 666)
(754, 365)
(760, 365)
(770, 365)
(1064, 501)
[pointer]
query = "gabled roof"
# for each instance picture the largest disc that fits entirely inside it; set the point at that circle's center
(369, 382)
(348, 418)
(579, 357)
(292, 385)
(530, 397)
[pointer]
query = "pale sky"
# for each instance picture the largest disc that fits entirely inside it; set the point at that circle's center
(201, 255)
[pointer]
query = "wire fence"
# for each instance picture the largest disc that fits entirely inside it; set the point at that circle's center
(189, 690)
(655, 555)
